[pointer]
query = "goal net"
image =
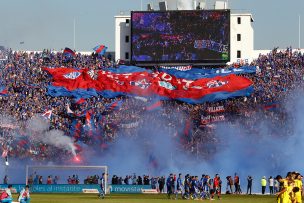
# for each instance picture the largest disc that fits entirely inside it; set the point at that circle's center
(57, 174)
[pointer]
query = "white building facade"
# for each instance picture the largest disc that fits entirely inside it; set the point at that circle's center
(241, 37)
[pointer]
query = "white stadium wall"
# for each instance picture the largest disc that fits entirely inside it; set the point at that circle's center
(122, 32)
(241, 24)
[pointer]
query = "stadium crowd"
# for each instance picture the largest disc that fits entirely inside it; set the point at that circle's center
(279, 73)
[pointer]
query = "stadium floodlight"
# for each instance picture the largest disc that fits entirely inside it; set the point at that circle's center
(104, 170)
(150, 7)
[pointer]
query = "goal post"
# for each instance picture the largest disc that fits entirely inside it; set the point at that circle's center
(104, 170)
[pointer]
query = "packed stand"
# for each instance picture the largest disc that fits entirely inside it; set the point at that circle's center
(279, 73)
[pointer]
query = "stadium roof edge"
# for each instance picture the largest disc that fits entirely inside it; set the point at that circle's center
(122, 16)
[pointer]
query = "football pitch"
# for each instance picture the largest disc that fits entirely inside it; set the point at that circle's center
(140, 198)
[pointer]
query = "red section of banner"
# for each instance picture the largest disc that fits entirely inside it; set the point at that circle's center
(146, 83)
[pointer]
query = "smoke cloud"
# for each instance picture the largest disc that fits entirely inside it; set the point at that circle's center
(265, 150)
(38, 129)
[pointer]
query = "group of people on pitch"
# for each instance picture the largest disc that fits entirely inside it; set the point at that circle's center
(193, 188)
(24, 196)
(290, 188)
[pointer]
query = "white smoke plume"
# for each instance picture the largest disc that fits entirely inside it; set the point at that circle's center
(58, 139)
(38, 129)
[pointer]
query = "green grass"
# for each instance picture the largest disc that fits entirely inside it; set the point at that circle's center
(140, 198)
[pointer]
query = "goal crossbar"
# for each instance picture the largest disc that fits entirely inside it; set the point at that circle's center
(62, 167)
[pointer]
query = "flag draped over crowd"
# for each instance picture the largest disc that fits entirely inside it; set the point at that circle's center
(110, 83)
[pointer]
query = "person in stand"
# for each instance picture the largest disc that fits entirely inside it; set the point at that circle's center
(102, 186)
(249, 185)
(24, 196)
(6, 196)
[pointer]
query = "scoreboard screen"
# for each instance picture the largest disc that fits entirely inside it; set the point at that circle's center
(180, 36)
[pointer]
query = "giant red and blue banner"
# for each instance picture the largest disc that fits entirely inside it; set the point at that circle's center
(136, 81)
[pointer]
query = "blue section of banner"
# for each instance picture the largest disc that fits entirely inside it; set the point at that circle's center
(219, 96)
(65, 188)
(196, 73)
(78, 93)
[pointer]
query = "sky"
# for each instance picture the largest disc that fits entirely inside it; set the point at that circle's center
(49, 24)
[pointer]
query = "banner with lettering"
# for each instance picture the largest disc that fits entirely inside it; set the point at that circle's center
(216, 109)
(211, 119)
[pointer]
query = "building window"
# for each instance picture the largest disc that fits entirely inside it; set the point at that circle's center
(127, 38)
(238, 54)
(127, 55)
(127, 22)
(238, 37)
(239, 20)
